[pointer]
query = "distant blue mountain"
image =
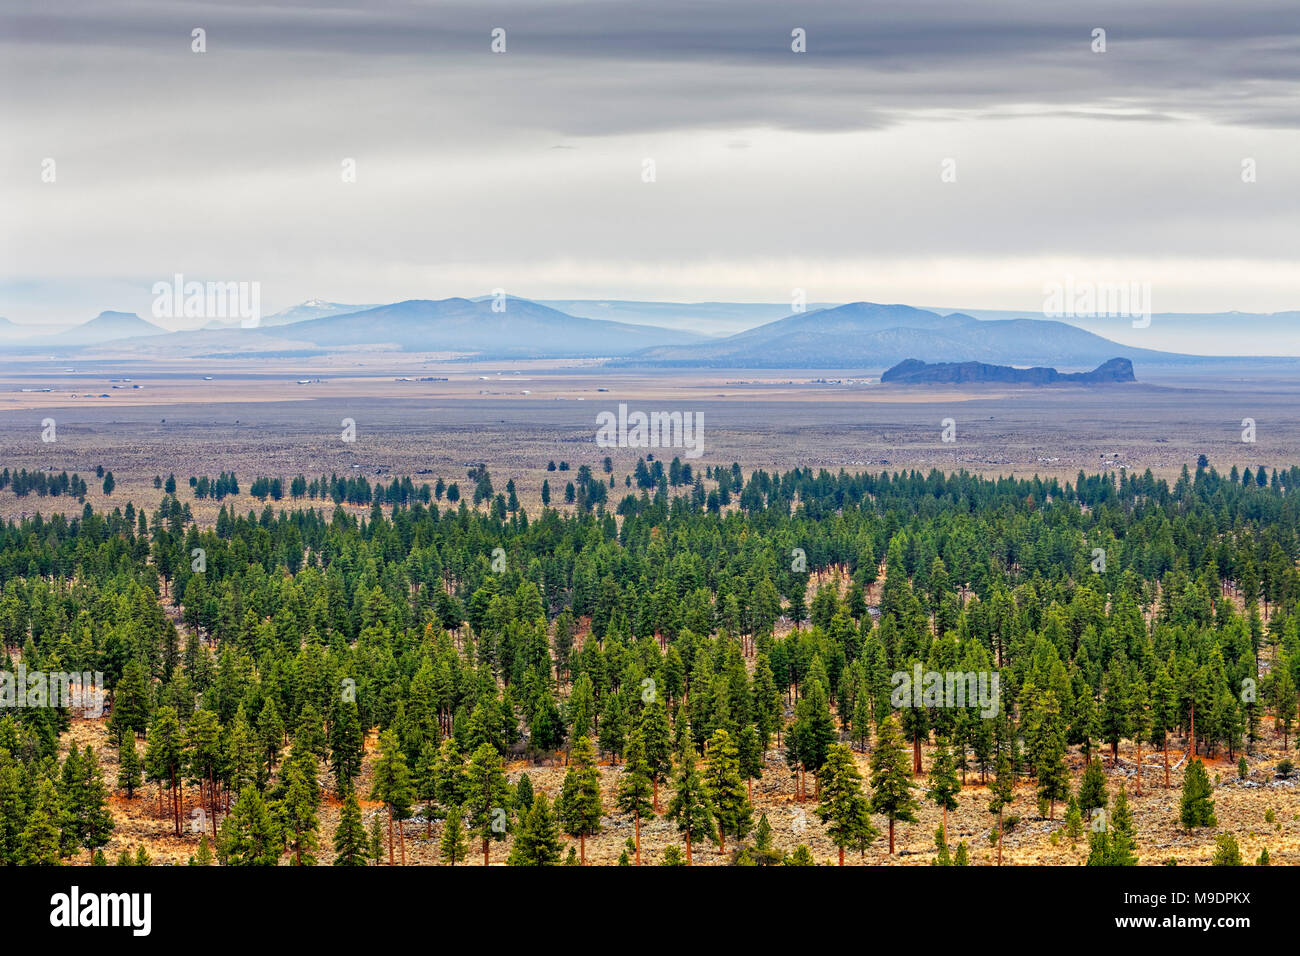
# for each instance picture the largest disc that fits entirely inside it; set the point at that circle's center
(522, 329)
(870, 335)
(108, 327)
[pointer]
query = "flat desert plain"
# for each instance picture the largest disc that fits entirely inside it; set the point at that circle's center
(428, 417)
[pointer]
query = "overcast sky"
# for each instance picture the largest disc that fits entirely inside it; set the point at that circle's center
(773, 169)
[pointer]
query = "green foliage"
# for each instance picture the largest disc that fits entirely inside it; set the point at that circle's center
(350, 835)
(891, 782)
(487, 798)
(579, 804)
(249, 835)
(453, 848)
(538, 841)
(1226, 851)
(802, 856)
(724, 790)
(1195, 808)
(843, 807)
(689, 807)
(444, 656)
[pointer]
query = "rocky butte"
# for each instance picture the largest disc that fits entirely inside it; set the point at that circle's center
(916, 372)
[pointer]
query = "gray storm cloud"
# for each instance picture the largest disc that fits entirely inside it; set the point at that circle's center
(773, 168)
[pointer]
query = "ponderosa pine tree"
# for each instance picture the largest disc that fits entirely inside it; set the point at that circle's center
(425, 784)
(524, 795)
(579, 804)
(689, 807)
(725, 790)
(249, 835)
(1092, 789)
(1164, 712)
(40, 832)
(202, 856)
(657, 742)
(272, 624)
(1284, 698)
(750, 747)
(392, 786)
(636, 788)
(1073, 820)
(1226, 851)
(165, 757)
(1123, 839)
(203, 759)
(843, 807)
(347, 740)
(375, 839)
(89, 803)
(944, 786)
(537, 842)
(350, 835)
(891, 778)
(270, 731)
(128, 766)
(453, 848)
(1195, 808)
(298, 810)
(1139, 724)
(1115, 707)
(487, 798)
(69, 791)
(449, 775)
(1001, 793)
(813, 730)
(130, 717)
(1051, 771)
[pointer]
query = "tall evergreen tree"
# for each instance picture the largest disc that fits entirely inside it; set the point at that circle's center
(579, 804)
(249, 835)
(725, 790)
(843, 807)
(891, 781)
(944, 786)
(689, 807)
(487, 798)
(350, 835)
(636, 787)
(656, 738)
(128, 766)
(1195, 808)
(392, 786)
(452, 846)
(538, 841)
